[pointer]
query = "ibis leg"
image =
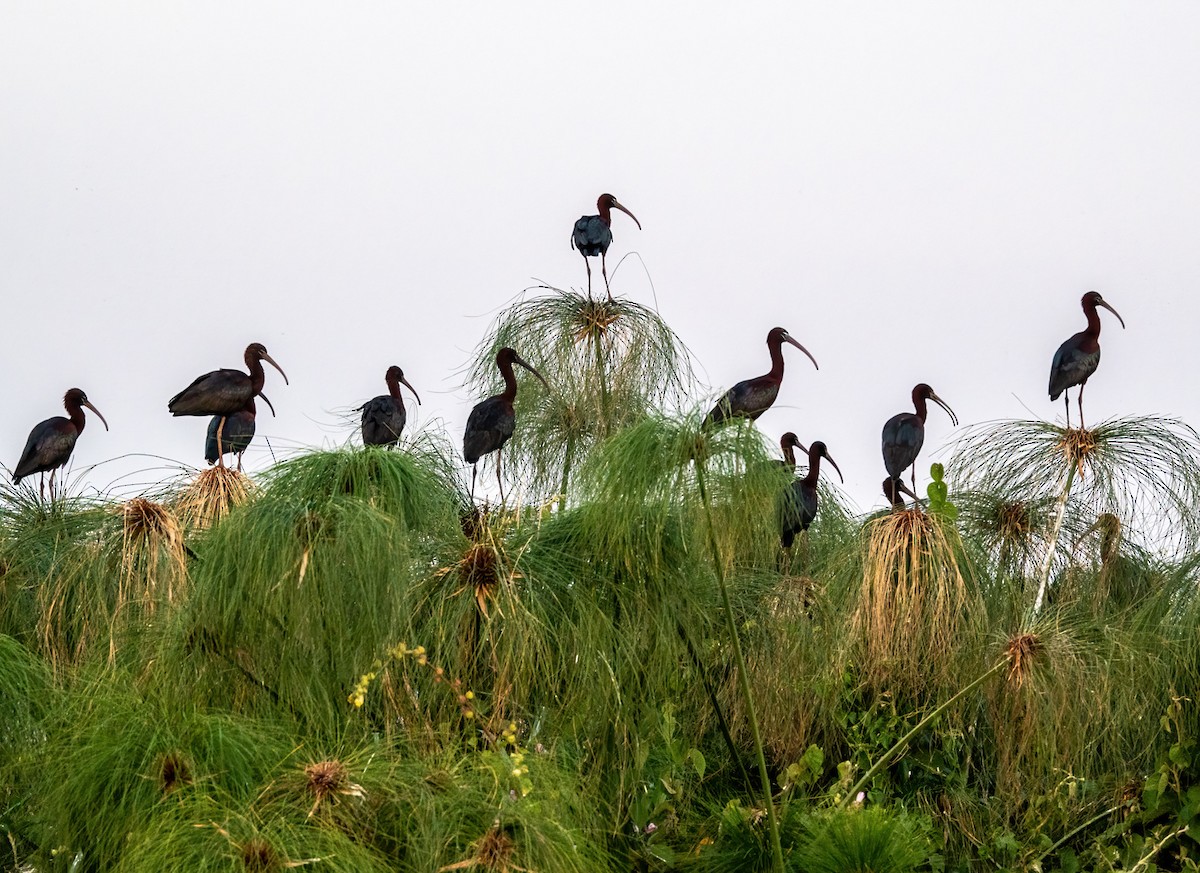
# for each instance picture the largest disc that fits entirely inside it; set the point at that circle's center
(474, 470)
(42, 486)
(52, 474)
(239, 462)
(1067, 404)
(499, 453)
(589, 271)
(1081, 386)
(604, 271)
(220, 448)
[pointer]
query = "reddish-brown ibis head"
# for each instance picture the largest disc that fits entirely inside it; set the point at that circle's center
(51, 441)
(788, 443)
(384, 416)
(606, 203)
(593, 235)
(904, 433)
(1077, 358)
(493, 420)
(895, 489)
(752, 397)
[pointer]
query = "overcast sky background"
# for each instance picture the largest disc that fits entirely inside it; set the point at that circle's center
(916, 191)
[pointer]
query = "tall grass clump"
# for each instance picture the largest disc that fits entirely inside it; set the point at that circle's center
(1073, 707)
(607, 364)
(296, 591)
(113, 758)
(59, 573)
(28, 694)
(211, 496)
(918, 620)
(415, 485)
(489, 621)
(1143, 470)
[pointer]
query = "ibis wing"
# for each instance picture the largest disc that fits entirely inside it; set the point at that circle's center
(748, 399)
(788, 509)
(382, 421)
(221, 392)
(49, 446)
(591, 236)
(1072, 364)
(903, 436)
(489, 426)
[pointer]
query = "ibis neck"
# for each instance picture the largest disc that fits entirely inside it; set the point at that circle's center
(789, 455)
(394, 390)
(922, 409)
(257, 377)
(605, 214)
(814, 468)
(75, 413)
(1093, 320)
(510, 382)
(776, 349)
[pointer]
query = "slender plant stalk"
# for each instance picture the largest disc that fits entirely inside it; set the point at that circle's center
(1070, 834)
(743, 675)
(886, 757)
(570, 450)
(1144, 862)
(1060, 508)
(604, 404)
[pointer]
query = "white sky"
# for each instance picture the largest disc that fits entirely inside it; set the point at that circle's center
(917, 191)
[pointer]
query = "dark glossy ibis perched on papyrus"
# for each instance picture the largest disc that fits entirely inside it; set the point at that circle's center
(1078, 357)
(237, 431)
(752, 397)
(904, 433)
(225, 392)
(491, 422)
(799, 504)
(51, 442)
(384, 416)
(593, 235)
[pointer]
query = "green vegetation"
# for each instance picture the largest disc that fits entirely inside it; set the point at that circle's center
(342, 665)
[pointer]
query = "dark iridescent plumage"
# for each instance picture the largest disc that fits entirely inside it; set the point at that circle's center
(904, 433)
(492, 421)
(799, 502)
(51, 441)
(1077, 358)
(750, 398)
(384, 416)
(224, 392)
(235, 436)
(592, 236)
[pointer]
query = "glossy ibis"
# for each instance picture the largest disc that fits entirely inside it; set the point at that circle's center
(894, 490)
(383, 417)
(237, 433)
(800, 500)
(1078, 357)
(50, 442)
(491, 422)
(225, 392)
(593, 235)
(904, 433)
(752, 397)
